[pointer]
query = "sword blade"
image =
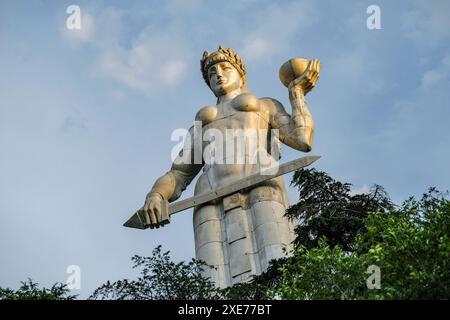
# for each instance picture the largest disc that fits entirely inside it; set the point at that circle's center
(137, 222)
(246, 182)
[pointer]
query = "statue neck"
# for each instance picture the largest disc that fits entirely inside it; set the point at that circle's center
(229, 96)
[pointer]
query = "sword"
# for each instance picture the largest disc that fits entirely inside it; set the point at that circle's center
(138, 221)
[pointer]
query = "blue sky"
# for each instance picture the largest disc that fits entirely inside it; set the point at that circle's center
(86, 116)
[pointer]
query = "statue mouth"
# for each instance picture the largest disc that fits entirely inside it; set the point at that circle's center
(221, 81)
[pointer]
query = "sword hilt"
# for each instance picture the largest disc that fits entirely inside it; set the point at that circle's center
(165, 213)
(139, 221)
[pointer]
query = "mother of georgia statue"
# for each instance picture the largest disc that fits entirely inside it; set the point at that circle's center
(238, 234)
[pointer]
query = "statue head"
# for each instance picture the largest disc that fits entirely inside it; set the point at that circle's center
(223, 71)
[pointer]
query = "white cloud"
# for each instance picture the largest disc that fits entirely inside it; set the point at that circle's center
(276, 27)
(157, 54)
(173, 71)
(151, 62)
(153, 58)
(256, 47)
(416, 136)
(438, 75)
(432, 77)
(428, 23)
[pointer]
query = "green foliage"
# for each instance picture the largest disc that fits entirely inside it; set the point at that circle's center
(259, 286)
(341, 234)
(321, 273)
(410, 245)
(30, 290)
(161, 278)
(328, 209)
(328, 215)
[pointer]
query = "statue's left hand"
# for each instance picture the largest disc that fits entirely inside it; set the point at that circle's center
(307, 80)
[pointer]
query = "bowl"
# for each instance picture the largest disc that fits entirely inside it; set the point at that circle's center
(292, 69)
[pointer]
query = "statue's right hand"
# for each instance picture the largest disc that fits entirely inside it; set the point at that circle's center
(308, 79)
(152, 211)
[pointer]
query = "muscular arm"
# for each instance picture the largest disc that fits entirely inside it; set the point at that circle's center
(183, 171)
(296, 130)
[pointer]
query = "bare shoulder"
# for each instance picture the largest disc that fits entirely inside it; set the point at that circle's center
(206, 114)
(273, 106)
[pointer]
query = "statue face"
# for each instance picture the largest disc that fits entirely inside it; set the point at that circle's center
(223, 78)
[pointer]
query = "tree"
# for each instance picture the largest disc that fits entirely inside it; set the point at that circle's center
(328, 214)
(30, 290)
(327, 208)
(161, 278)
(410, 246)
(340, 236)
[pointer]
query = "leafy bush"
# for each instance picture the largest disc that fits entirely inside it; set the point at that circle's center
(339, 237)
(161, 278)
(30, 290)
